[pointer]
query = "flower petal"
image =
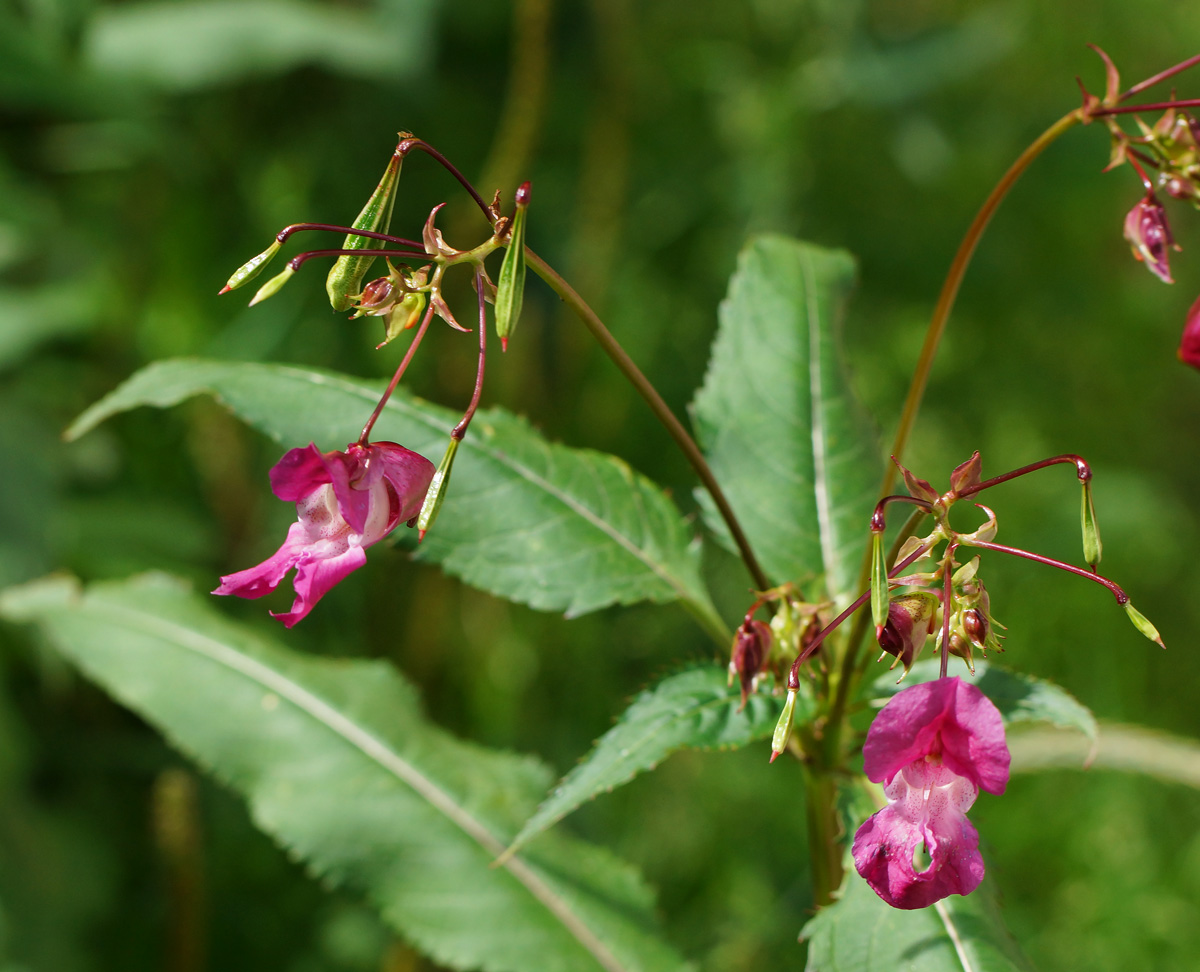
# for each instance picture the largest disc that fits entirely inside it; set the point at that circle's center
(298, 473)
(261, 580)
(409, 474)
(315, 577)
(344, 469)
(947, 717)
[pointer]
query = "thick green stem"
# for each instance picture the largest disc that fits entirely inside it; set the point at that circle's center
(660, 409)
(824, 833)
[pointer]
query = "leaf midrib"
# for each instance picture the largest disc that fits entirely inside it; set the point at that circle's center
(374, 749)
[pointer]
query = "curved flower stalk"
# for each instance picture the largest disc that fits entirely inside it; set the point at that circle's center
(934, 746)
(345, 502)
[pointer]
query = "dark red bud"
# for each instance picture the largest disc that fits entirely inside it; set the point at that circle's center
(523, 194)
(751, 644)
(376, 292)
(975, 625)
(1148, 233)
(1189, 343)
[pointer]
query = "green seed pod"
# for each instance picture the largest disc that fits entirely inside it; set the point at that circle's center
(879, 582)
(1142, 623)
(345, 279)
(510, 291)
(273, 286)
(1091, 530)
(251, 268)
(437, 490)
(783, 728)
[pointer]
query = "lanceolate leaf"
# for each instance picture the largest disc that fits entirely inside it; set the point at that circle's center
(1019, 697)
(338, 764)
(780, 425)
(693, 709)
(859, 933)
(556, 528)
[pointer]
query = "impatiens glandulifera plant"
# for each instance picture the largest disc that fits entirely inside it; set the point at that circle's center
(798, 492)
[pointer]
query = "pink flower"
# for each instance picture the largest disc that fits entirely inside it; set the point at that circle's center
(933, 746)
(346, 501)
(1148, 233)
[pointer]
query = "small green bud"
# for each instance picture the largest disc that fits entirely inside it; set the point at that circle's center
(510, 291)
(251, 268)
(345, 279)
(879, 582)
(783, 728)
(1091, 531)
(273, 286)
(437, 490)
(1143, 624)
(404, 315)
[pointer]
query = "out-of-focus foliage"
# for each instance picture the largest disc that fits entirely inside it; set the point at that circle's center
(148, 149)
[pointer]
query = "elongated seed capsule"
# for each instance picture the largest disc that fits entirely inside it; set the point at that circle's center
(879, 581)
(437, 490)
(251, 268)
(510, 289)
(783, 728)
(345, 279)
(1091, 530)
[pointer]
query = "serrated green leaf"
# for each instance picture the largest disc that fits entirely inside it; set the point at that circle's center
(693, 709)
(339, 765)
(556, 528)
(1019, 697)
(778, 420)
(859, 933)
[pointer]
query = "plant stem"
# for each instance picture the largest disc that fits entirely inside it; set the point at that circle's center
(824, 831)
(412, 349)
(610, 345)
(460, 430)
(660, 409)
(1113, 587)
(958, 268)
(1161, 76)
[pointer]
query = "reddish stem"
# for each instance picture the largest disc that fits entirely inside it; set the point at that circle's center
(1155, 106)
(1161, 76)
(794, 674)
(1082, 470)
(300, 259)
(283, 234)
(947, 596)
(412, 349)
(1113, 587)
(408, 144)
(878, 521)
(460, 430)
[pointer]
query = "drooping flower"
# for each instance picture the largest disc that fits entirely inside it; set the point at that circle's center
(345, 502)
(1149, 234)
(934, 746)
(751, 646)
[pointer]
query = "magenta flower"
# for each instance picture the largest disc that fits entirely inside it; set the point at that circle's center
(1148, 233)
(346, 501)
(933, 746)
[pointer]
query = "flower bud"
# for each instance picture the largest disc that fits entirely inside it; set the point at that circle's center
(966, 474)
(919, 488)
(751, 646)
(345, 279)
(1189, 342)
(510, 291)
(909, 624)
(1148, 233)
(437, 490)
(975, 624)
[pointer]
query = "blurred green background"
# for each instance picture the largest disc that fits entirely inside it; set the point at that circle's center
(150, 148)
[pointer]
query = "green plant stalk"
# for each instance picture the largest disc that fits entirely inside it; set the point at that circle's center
(821, 792)
(661, 410)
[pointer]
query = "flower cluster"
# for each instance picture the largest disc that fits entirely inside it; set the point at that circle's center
(347, 501)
